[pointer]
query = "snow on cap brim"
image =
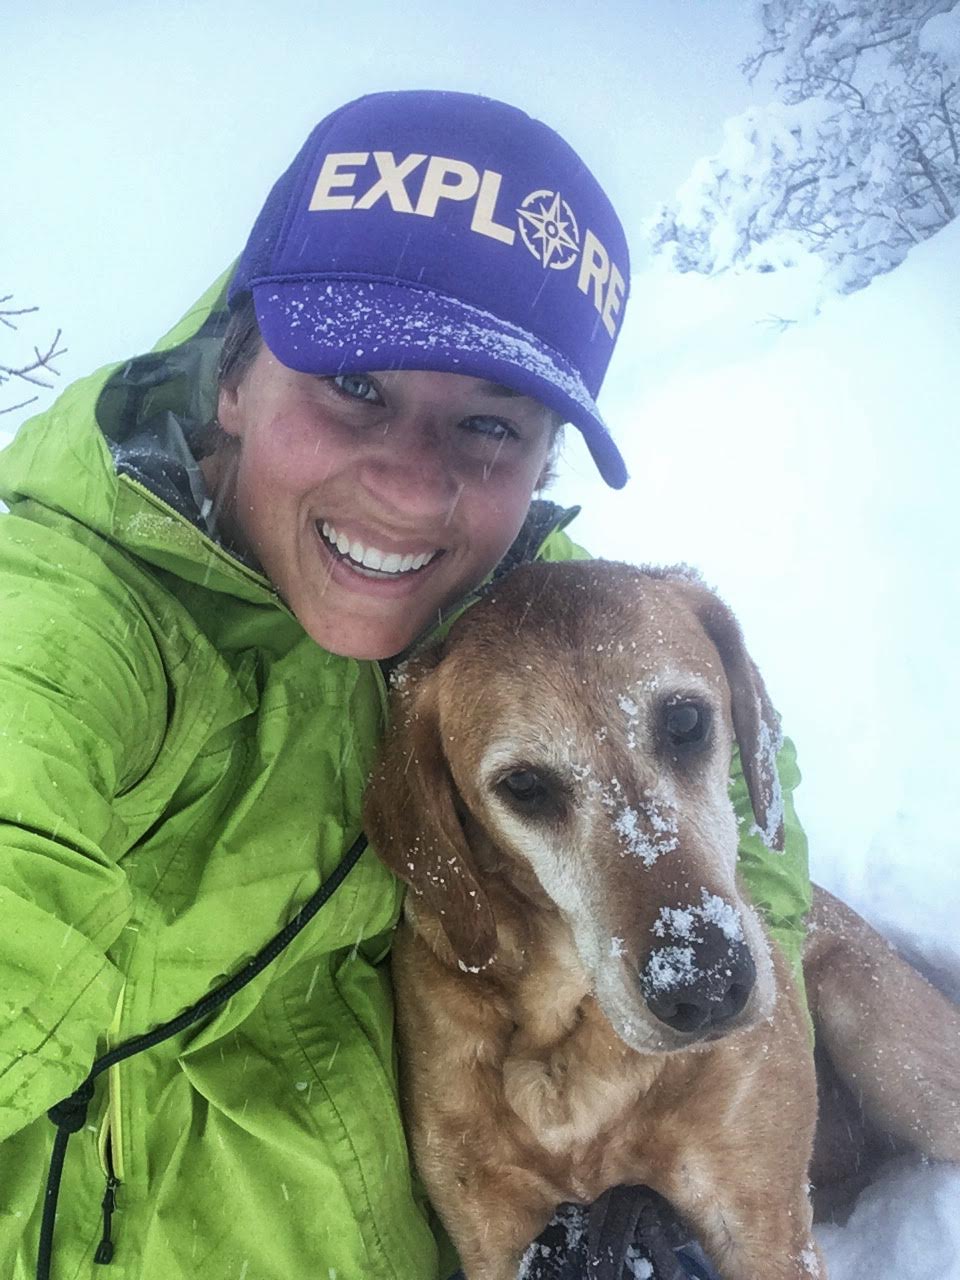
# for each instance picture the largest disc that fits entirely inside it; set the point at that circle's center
(330, 326)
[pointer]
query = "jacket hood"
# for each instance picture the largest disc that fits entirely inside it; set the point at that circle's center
(110, 453)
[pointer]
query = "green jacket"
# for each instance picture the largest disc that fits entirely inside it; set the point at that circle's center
(180, 767)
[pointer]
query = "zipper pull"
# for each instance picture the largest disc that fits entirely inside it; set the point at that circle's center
(104, 1252)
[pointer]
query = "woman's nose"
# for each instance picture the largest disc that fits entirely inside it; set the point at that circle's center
(409, 470)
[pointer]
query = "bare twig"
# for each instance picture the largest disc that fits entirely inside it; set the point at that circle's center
(846, 85)
(947, 119)
(778, 323)
(31, 371)
(750, 67)
(930, 174)
(6, 312)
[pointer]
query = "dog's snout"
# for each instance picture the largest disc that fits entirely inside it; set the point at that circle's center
(701, 985)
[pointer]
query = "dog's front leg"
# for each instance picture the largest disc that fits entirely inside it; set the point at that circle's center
(738, 1174)
(765, 1250)
(496, 1217)
(749, 1207)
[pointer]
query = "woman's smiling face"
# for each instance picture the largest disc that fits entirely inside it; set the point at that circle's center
(374, 501)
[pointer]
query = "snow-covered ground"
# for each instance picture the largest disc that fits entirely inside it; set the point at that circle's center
(834, 535)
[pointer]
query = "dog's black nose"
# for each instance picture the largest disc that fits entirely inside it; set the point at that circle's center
(699, 984)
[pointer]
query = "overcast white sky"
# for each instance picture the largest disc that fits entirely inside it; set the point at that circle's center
(138, 139)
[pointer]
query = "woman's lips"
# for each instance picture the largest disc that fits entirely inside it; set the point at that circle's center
(366, 556)
(348, 571)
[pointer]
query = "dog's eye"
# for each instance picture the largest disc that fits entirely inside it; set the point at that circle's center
(525, 785)
(533, 793)
(686, 723)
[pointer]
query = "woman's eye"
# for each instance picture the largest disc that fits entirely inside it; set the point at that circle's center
(685, 723)
(358, 386)
(496, 429)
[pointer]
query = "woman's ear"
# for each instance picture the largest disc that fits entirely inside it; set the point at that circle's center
(548, 472)
(228, 409)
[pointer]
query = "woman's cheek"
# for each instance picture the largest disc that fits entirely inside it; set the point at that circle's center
(289, 450)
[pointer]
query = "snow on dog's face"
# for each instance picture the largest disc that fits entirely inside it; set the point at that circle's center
(584, 716)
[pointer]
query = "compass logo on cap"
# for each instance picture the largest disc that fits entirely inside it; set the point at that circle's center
(549, 229)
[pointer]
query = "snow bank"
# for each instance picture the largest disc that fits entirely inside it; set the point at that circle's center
(906, 1225)
(807, 463)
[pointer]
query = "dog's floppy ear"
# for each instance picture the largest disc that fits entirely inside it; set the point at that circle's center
(410, 817)
(755, 721)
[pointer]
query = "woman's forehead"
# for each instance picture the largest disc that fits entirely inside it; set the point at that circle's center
(498, 389)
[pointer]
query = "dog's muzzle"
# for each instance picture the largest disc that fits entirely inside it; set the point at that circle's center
(698, 985)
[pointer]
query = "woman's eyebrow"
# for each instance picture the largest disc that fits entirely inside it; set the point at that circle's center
(498, 389)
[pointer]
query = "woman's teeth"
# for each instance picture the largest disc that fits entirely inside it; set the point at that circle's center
(388, 562)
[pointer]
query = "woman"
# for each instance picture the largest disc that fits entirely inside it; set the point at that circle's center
(200, 577)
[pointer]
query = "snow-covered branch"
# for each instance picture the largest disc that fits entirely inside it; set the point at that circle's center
(857, 159)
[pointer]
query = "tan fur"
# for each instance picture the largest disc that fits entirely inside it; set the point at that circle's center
(533, 1070)
(889, 1049)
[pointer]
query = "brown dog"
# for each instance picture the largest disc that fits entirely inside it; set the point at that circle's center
(585, 996)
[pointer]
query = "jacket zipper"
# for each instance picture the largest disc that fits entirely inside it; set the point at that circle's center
(104, 1253)
(227, 561)
(110, 1147)
(70, 1114)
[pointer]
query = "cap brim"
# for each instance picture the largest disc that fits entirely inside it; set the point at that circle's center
(329, 326)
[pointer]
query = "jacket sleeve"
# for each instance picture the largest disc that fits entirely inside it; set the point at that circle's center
(778, 883)
(82, 712)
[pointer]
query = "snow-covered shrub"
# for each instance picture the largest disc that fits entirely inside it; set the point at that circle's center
(856, 160)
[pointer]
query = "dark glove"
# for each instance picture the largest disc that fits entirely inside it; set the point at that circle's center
(612, 1239)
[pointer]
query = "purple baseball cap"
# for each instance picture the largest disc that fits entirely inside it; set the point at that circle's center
(446, 232)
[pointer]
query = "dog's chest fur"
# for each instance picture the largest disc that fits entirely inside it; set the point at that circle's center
(596, 1109)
